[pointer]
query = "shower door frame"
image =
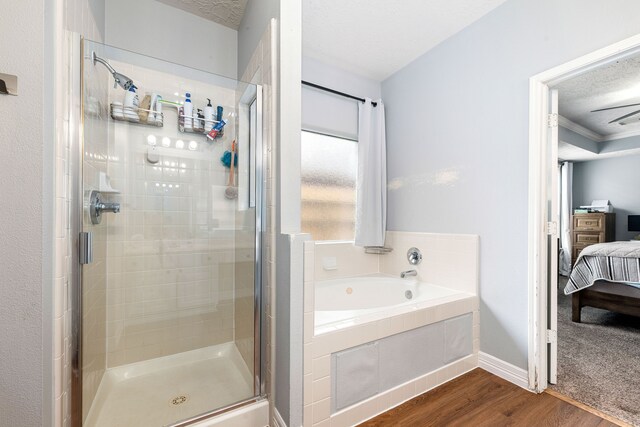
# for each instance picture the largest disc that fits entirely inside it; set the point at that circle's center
(76, 46)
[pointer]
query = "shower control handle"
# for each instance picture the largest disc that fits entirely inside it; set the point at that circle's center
(108, 207)
(414, 256)
(97, 207)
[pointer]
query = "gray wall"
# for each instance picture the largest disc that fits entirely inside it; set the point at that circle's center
(457, 135)
(628, 143)
(254, 23)
(155, 29)
(615, 179)
(578, 140)
(25, 230)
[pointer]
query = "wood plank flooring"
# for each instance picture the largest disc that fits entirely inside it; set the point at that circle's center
(483, 399)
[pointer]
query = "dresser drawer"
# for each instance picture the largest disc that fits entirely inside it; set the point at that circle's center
(576, 252)
(587, 238)
(588, 222)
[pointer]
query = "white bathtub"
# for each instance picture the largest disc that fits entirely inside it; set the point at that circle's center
(341, 303)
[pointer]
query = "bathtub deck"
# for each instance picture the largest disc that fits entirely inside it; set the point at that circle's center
(482, 399)
(332, 321)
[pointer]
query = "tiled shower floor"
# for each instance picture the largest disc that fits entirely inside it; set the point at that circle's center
(162, 391)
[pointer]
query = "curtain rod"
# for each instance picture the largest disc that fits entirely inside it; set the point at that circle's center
(346, 95)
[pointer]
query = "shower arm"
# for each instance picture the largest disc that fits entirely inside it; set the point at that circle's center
(119, 79)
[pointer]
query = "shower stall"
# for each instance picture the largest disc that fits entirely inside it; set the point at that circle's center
(166, 295)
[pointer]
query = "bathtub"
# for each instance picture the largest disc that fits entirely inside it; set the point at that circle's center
(345, 302)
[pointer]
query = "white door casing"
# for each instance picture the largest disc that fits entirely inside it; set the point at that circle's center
(539, 196)
(552, 233)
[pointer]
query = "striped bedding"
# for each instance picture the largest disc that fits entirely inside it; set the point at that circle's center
(613, 262)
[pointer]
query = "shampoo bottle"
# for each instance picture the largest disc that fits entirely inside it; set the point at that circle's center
(209, 116)
(200, 121)
(188, 112)
(131, 103)
(219, 111)
(158, 108)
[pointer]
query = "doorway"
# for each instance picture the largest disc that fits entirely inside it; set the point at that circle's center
(545, 227)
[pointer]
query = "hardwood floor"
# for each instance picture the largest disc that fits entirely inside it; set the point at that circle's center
(482, 399)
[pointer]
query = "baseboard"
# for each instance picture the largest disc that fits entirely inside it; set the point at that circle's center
(504, 370)
(277, 419)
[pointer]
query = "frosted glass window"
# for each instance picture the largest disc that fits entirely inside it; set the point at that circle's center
(329, 169)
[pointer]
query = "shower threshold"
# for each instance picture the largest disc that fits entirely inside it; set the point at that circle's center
(163, 391)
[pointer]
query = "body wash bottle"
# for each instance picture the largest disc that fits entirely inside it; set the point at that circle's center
(200, 121)
(131, 104)
(188, 112)
(209, 116)
(158, 109)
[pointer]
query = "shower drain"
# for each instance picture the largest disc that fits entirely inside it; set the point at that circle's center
(178, 400)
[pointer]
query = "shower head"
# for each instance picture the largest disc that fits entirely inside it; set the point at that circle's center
(119, 79)
(122, 80)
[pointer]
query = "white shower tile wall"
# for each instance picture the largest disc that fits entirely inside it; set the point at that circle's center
(171, 247)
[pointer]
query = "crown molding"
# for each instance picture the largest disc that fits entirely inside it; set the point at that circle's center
(579, 129)
(621, 135)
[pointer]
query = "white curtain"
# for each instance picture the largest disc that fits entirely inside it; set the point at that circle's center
(566, 201)
(371, 186)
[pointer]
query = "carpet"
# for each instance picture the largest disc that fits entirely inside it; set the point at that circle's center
(599, 359)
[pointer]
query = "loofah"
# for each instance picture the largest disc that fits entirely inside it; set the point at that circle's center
(226, 159)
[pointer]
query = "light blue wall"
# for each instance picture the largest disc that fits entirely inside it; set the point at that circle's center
(615, 179)
(254, 23)
(457, 134)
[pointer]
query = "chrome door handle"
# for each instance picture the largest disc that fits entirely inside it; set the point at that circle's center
(97, 207)
(85, 247)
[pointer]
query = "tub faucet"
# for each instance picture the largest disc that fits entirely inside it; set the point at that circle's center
(408, 273)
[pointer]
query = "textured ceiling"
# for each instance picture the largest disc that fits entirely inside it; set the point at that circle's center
(225, 12)
(376, 38)
(610, 85)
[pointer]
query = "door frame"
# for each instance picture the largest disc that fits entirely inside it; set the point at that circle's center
(538, 267)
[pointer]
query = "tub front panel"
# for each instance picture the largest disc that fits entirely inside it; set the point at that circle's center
(443, 356)
(411, 348)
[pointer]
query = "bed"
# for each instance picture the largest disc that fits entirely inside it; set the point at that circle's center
(607, 276)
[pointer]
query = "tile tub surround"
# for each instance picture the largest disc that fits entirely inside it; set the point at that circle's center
(460, 271)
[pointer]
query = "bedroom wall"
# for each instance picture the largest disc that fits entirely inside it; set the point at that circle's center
(615, 179)
(570, 137)
(621, 144)
(457, 135)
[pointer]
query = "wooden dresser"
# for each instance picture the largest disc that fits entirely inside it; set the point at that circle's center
(590, 228)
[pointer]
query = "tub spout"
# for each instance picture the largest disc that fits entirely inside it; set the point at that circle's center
(408, 273)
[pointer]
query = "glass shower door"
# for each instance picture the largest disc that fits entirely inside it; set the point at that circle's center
(170, 295)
